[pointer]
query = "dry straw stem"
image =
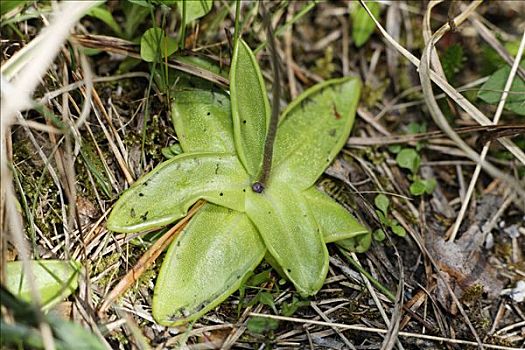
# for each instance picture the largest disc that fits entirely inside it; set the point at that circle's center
(472, 111)
(148, 258)
(380, 331)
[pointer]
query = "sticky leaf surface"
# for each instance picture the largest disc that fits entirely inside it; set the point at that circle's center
(166, 193)
(250, 107)
(205, 264)
(202, 120)
(291, 235)
(313, 130)
(335, 222)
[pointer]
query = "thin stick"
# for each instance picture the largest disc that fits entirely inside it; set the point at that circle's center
(379, 330)
(148, 258)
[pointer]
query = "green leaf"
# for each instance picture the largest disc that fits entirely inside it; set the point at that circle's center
(266, 298)
(101, 13)
(195, 9)
(288, 309)
(336, 222)
(250, 108)
(259, 278)
(399, 230)
(171, 151)
(135, 16)
(142, 3)
(382, 202)
(362, 25)
(165, 194)
(491, 91)
(54, 279)
(205, 264)
(379, 235)
(394, 149)
(419, 187)
(6, 6)
(452, 60)
(154, 44)
(313, 129)
(74, 336)
(202, 120)
(261, 325)
(291, 235)
(408, 158)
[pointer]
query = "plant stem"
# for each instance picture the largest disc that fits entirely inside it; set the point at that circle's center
(237, 32)
(274, 119)
(182, 38)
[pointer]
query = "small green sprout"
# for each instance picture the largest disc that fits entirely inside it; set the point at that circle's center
(382, 203)
(409, 158)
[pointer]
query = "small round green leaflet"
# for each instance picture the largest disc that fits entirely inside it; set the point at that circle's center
(290, 221)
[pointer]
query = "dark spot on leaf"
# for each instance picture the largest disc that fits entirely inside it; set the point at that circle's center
(221, 194)
(289, 270)
(244, 121)
(336, 113)
(145, 183)
(269, 212)
(178, 243)
(208, 113)
(332, 132)
(132, 213)
(216, 168)
(141, 194)
(145, 216)
(244, 189)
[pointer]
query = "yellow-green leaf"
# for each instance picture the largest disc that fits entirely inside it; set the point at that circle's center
(336, 222)
(362, 25)
(194, 8)
(291, 235)
(203, 121)
(154, 45)
(205, 264)
(54, 280)
(313, 130)
(165, 194)
(250, 107)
